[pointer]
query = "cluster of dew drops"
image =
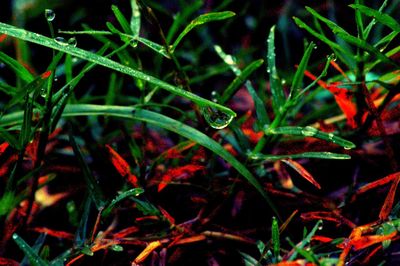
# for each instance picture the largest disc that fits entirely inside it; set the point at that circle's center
(50, 16)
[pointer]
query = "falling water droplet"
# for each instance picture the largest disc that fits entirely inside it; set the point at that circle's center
(61, 41)
(216, 118)
(49, 14)
(72, 41)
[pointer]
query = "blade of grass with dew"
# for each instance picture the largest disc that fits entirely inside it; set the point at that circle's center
(81, 234)
(248, 260)
(340, 32)
(18, 69)
(135, 19)
(373, 21)
(297, 82)
(359, 22)
(311, 132)
(154, 46)
(7, 89)
(334, 46)
(205, 18)
(306, 240)
(259, 104)
(126, 194)
(123, 22)
(379, 16)
(315, 155)
(89, 56)
(92, 186)
(275, 239)
(33, 257)
(171, 125)
(36, 248)
(239, 80)
(278, 95)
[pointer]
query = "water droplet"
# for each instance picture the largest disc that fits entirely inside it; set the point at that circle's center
(14, 236)
(216, 118)
(331, 136)
(61, 41)
(309, 131)
(49, 14)
(43, 92)
(320, 227)
(72, 41)
(347, 148)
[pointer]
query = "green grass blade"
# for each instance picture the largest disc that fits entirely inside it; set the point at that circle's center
(9, 138)
(19, 69)
(100, 60)
(382, 18)
(311, 132)
(130, 193)
(121, 19)
(278, 95)
(306, 240)
(93, 187)
(33, 257)
(239, 80)
(297, 82)
(154, 46)
(205, 18)
(316, 155)
(373, 21)
(135, 19)
(334, 46)
(275, 238)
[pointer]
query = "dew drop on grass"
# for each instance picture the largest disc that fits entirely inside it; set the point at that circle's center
(61, 41)
(309, 131)
(14, 236)
(216, 118)
(43, 92)
(72, 41)
(49, 14)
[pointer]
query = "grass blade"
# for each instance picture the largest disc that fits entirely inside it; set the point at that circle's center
(93, 188)
(121, 19)
(278, 95)
(315, 155)
(135, 19)
(232, 88)
(275, 238)
(205, 18)
(311, 132)
(33, 257)
(297, 82)
(382, 18)
(19, 70)
(100, 60)
(130, 193)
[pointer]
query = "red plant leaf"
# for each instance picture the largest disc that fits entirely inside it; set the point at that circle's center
(146, 252)
(322, 239)
(55, 233)
(388, 204)
(365, 241)
(3, 147)
(375, 184)
(182, 172)
(122, 166)
(167, 215)
(302, 171)
(8, 262)
(3, 37)
(46, 74)
(125, 232)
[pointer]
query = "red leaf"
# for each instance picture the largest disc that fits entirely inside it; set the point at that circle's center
(3, 37)
(366, 241)
(388, 204)
(122, 166)
(182, 172)
(55, 233)
(8, 262)
(302, 171)
(3, 147)
(46, 74)
(322, 239)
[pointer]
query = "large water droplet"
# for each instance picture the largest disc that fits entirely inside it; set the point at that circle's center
(49, 14)
(216, 118)
(72, 41)
(61, 41)
(43, 92)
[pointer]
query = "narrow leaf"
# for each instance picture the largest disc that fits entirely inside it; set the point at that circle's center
(278, 95)
(297, 82)
(33, 257)
(302, 171)
(275, 238)
(135, 19)
(317, 155)
(19, 69)
(311, 132)
(205, 18)
(121, 19)
(381, 17)
(129, 193)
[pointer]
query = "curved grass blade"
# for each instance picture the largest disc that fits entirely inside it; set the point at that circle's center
(311, 132)
(135, 19)
(100, 60)
(278, 95)
(93, 188)
(232, 88)
(121, 19)
(297, 82)
(33, 257)
(130, 193)
(382, 18)
(314, 155)
(19, 69)
(205, 18)
(275, 238)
